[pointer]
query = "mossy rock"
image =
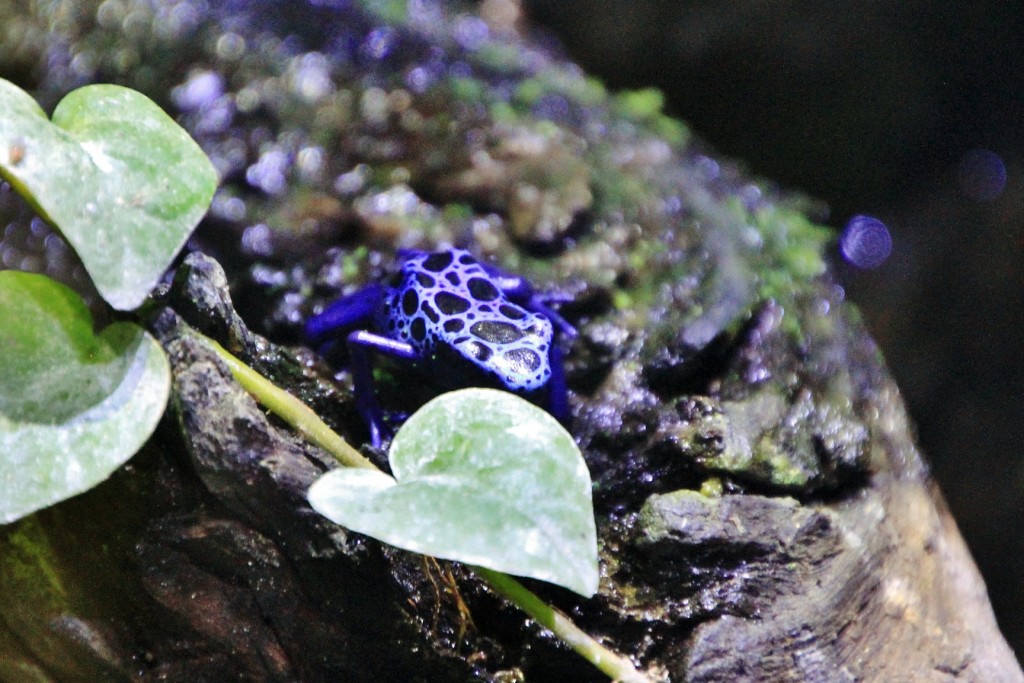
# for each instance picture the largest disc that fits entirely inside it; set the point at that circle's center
(762, 509)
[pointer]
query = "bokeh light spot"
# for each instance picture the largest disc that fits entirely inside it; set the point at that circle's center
(865, 242)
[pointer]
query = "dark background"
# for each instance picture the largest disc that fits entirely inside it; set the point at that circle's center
(874, 107)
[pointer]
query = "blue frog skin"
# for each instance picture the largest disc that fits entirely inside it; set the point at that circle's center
(464, 323)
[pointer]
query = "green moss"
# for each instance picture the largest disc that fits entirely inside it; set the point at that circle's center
(456, 212)
(615, 190)
(798, 242)
(622, 300)
(671, 130)
(712, 488)
(530, 91)
(499, 57)
(503, 112)
(645, 107)
(639, 105)
(466, 89)
(777, 465)
(351, 264)
(585, 92)
(591, 92)
(394, 12)
(642, 289)
(548, 129)
(29, 566)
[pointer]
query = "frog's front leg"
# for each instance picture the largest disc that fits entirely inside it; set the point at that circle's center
(355, 310)
(360, 345)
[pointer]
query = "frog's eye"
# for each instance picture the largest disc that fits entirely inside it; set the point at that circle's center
(496, 332)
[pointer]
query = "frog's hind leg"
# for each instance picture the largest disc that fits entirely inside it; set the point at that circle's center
(541, 303)
(360, 345)
(558, 392)
(519, 291)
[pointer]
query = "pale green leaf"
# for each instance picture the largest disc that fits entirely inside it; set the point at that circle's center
(119, 178)
(481, 477)
(73, 405)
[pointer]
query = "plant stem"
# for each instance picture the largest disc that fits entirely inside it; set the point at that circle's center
(305, 421)
(617, 667)
(291, 410)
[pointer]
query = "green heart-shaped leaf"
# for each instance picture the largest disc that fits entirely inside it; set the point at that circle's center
(73, 405)
(119, 178)
(483, 477)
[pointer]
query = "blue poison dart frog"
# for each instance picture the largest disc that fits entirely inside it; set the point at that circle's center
(462, 322)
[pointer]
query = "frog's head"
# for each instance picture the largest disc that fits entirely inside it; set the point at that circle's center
(513, 349)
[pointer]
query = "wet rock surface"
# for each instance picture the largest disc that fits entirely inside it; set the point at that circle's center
(763, 512)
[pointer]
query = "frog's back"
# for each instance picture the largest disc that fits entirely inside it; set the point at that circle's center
(449, 308)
